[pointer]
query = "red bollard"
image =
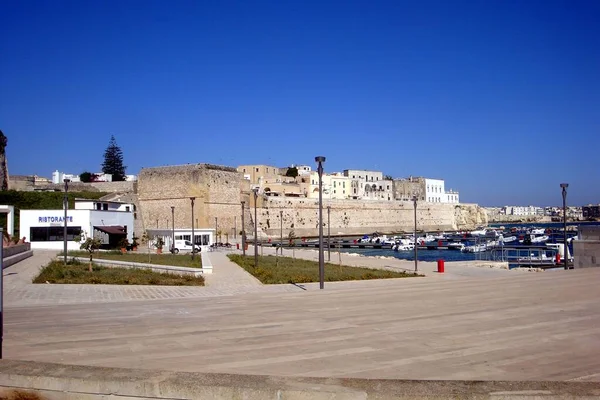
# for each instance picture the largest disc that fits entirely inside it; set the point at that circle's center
(237, 245)
(440, 266)
(558, 258)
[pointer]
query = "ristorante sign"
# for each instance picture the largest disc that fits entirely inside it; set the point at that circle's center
(54, 219)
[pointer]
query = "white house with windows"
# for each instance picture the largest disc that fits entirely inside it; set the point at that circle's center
(369, 185)
(435, 192)
(202, 237)
(110, 221)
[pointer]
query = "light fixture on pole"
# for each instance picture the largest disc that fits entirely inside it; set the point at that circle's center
(328, 234)
(564, 187)
(216, 228)
(320, 160)
(193, 236)
(255, 190)
(66, 204)
(281, 231)
(243, 232)
(415, 237)
(173, 234)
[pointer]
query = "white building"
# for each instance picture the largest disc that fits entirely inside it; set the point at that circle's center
(203, 237)
(59, 177)
(108, 220)
(435, 192)
(335, 186)
(523, 211)
(370, 185)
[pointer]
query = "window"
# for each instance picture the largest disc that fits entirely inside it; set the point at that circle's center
(388, 187)
(205, 240)
(127, 208)
(256, 169)
(98, 206)
(244, 169)
(187, 237)
(53, 233)
(105, 206)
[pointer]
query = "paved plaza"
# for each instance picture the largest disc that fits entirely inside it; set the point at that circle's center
(470, 323)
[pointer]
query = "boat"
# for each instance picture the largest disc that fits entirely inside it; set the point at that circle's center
(455, 246)
(404, 245)
(476, 248)
(478, 232)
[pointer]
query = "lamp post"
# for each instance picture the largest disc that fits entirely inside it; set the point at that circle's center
(328, 234)
(281, 231)
(66, 201)
(193, 237)
(243, 232)
(255, 190)
(416, 258)
(564, 187)
(216, 227)
(173, 235)
(320, 160)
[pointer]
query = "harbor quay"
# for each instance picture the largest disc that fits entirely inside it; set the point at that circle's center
(468, 324)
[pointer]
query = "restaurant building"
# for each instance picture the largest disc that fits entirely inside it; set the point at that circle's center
(110, 221)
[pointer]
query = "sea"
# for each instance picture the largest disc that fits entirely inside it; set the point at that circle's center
(456, 255)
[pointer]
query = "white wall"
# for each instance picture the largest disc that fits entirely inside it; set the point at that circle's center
(32, 218)
(86, 219)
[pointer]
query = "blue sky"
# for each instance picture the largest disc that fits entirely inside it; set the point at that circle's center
(499, 98)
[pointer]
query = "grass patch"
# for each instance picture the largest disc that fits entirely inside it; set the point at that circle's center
(77, 273)
(294, 270)
(179, 260)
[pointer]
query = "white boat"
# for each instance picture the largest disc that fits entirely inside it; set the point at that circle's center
(478, 232)
(477, 248)
(537, 231)
(455, 246)
(404, 245)
(540, 239)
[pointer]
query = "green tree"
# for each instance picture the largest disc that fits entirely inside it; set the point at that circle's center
(86, 177)
(292, 171)
(90, 244)
(113, 161)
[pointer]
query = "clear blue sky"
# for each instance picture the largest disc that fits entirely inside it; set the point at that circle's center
(499, 98)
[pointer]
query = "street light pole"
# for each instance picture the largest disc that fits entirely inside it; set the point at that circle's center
(416, 251)
(243, 232)
(281, 231)
(193, 237)
(328, 234)
(255, 190)
(564, 187)
(320, 160)
(66, 201)
(173, 235)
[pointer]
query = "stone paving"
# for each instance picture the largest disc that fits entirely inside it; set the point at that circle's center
(227, 279)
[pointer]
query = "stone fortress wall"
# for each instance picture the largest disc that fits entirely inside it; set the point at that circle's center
(219, 191)
(354, 217)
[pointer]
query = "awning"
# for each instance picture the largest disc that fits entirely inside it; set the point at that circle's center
(112, 229)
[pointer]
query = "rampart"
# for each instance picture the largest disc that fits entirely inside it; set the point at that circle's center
(122, 187)
(350, 217)
(217, 191)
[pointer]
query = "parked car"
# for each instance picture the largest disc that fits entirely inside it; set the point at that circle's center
(185, 245)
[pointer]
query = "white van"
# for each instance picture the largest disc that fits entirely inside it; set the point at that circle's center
(185, 245)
